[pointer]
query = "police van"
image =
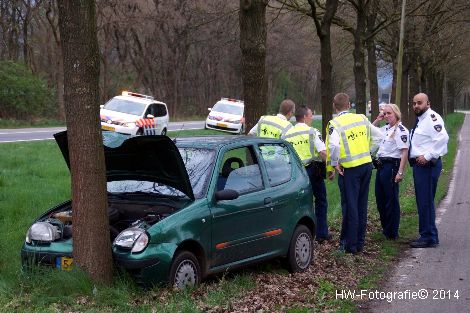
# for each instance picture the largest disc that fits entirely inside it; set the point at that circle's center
(227, 115)
(134, 114)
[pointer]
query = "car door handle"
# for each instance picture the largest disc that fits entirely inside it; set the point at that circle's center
(268, 200)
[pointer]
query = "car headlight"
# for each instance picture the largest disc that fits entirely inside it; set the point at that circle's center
(234, 121)
(134, 239)
(212, 118)
(42, 231)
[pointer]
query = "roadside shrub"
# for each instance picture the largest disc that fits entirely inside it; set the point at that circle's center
(24, 95)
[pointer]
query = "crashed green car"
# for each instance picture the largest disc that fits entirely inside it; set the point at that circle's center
(180, 210)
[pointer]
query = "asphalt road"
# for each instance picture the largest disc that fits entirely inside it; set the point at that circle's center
(440, 277)
(34, 134)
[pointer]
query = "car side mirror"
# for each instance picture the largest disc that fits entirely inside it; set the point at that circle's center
(101, 106)
(150, 116)
(209, 109)
(226, 194)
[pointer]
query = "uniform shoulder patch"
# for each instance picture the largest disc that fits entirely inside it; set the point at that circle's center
(433, 117)
(320, 137)
(404, 138)
(401, 128)
(330, 130)
(438, 127)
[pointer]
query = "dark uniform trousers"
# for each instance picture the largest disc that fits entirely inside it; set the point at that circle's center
(425, 181)
(387, 193)
(321, 204)
(354, 189)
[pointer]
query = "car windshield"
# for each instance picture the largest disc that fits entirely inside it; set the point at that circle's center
(228, 108)
(125, 106)
(198, 163)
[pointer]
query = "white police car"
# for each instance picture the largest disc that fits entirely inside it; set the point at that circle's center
(134, 114)
(227, 115)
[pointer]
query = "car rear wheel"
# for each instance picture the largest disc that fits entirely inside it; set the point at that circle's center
(300, 250)
(185, 270)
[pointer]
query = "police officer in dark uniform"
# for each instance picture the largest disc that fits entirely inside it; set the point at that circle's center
(428, 143)
(392, 157)
(310, 148)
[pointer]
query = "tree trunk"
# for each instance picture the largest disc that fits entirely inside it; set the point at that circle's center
(394, 82)
(252, 19)
(372, 60)
(359, 61)
(91, 241)
(450, 96)
(404, 106)
(326, 63)
(413, 78)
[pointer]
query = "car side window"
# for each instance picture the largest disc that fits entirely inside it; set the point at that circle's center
(150, 110)
(277, 159)
(240, 171)
(160, 110)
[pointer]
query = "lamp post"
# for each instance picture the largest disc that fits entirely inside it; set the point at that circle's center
(400, 54)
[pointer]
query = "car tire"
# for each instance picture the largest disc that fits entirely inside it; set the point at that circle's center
(185, 270)
(300, 251)
(164, 132)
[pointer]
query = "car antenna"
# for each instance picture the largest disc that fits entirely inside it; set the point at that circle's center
(179, 131)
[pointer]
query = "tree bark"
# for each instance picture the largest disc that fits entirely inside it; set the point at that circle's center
(359, 58)
(372, 63)
(252, 19)
(91, 241)
(326, 81)
(450, 96)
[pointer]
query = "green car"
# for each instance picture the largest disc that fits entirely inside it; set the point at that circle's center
(180, 210)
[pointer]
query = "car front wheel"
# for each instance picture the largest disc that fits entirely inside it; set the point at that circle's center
(300, 250)
(185, 270)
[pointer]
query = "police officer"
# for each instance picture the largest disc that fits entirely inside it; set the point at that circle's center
(392, 156)
(275, 126)
(309, 145)
(348, 151)
(428, 144)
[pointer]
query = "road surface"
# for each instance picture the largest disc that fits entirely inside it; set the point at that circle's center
(34, 134)
(439, 276)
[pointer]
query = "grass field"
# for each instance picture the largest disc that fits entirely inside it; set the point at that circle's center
(34, 177)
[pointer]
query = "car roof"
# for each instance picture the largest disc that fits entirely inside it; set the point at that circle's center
(234, 103)
(138, 99)
(214, 142)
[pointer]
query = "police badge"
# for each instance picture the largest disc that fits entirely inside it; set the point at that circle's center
(404, 138)
(438, 127)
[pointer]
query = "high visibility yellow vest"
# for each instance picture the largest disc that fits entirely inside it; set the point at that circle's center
(354, 133)
(302, 138)
(272, 126)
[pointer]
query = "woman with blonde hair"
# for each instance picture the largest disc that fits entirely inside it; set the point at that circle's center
(392, 157)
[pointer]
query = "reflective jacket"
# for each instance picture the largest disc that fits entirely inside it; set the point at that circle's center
(272, 127)
(302, 138)
(354, 132)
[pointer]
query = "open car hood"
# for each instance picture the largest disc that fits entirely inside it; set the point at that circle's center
(149, 158)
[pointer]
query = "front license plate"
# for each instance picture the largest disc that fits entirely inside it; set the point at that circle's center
(222, 125)
(64, 263)
(105, 127)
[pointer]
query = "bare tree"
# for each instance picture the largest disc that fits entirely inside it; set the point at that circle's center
(91, 240)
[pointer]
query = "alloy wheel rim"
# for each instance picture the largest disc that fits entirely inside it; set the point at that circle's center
(303, 250)
(185, 274)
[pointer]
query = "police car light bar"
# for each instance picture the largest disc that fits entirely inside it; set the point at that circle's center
(135, 94)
